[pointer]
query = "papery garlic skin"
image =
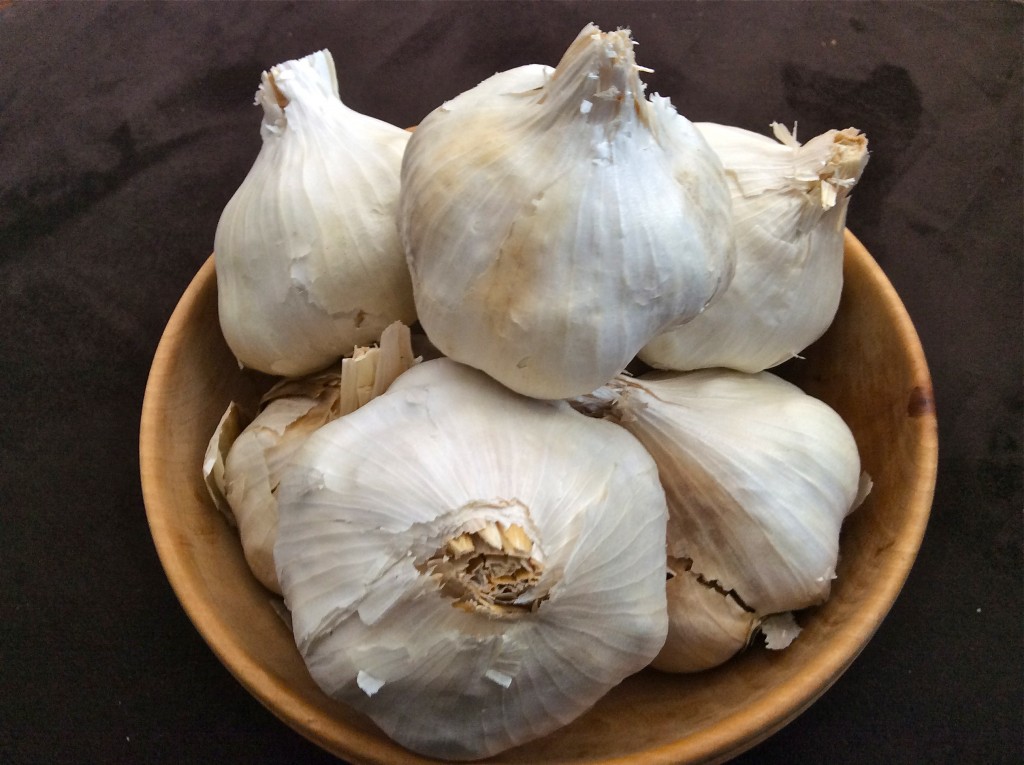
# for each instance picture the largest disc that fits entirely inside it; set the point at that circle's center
(231, 425)
(758, 475)
(378, 511)
(309, 263)
(706, 626)
(256, 460)
(789, 206)
(552, 231)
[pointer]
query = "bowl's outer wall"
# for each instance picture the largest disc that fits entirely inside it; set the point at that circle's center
(869, 366)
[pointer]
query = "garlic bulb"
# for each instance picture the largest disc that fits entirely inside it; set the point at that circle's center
(469, 567)
(554, 222)
(309, 263)
(257, 458)
(289, 413)
(789, 205)
(758, 475)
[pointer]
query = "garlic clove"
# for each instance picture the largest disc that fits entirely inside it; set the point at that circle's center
(309, 263)
(706, 625)
(758, 475)
(256, 460)
(447, 548)
(552, 231)
(789, 204)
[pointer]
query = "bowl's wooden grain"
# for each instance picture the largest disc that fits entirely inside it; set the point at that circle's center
(869, 366)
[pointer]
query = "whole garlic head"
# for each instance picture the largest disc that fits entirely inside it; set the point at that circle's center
(469, 567)
(553, 226)
(789, 206)
(309, 263)
(758, 475)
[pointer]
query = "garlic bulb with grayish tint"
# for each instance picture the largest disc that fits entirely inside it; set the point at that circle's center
(556, 221)
(789, 209)
(244, 466)
(759, 477)
(309, 263)
(470, 567)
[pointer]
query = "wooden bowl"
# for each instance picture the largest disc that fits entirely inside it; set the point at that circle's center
(869, 367)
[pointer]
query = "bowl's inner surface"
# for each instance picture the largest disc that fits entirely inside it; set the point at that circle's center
(869, 367)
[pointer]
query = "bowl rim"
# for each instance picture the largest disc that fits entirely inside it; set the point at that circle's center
(728, 738)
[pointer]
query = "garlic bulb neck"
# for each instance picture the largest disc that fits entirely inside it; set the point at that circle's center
(308, 85)
(827, 167)
(490, 571)
(598, 76)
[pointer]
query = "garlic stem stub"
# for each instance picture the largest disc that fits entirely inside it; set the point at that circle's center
(309, 263)
(448, 548)
(789, 205)
(555, 221)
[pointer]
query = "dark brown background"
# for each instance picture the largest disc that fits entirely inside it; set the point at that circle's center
(124, 128)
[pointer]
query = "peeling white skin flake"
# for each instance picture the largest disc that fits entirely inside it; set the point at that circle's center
(368, 683)
(251, 462)
(780, 630)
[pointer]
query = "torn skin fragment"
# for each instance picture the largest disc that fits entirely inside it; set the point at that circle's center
(231, 425)
(780, 630)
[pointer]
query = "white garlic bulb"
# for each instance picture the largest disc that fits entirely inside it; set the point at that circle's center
(555, 225)
(758, 475)
(247, 466)
(469, 567)
(309, 262)
(789, 206)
